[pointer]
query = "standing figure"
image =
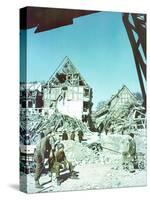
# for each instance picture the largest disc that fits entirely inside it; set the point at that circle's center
(80, 136)
(72, 137)
(43, 150)
(106, 130)
(64, 135)
(132, 153)
(129, 153)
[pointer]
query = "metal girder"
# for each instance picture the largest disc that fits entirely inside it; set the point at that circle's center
(44, 19)
(135, 25)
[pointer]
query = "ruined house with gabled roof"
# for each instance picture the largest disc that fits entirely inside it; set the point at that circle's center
(68, 92)
(122, 111)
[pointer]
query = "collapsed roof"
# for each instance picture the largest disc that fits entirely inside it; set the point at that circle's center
(122, 110)
(66, 75)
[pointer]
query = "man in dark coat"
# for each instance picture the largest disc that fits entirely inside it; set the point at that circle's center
(64, 136)
(72, 136)
(43, 150)
(80, 136)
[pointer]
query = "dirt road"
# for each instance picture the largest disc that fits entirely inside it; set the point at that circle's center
(92, 176)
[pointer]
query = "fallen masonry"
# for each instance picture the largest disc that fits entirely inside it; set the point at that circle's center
(98, 157)
(33, 125)
(95, 171)
(121, 114)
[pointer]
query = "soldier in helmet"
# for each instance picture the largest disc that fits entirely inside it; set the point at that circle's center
(129, 153)
(80, 136)
(43, 150)
(64, 135)
(72, 136)
(61, 162)
(132, 153)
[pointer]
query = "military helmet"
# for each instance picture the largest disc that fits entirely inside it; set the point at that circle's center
(132, 134)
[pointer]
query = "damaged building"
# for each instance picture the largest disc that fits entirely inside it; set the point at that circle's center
(31, 98)
(66, 95)
(31, 105)
(68, 92)
(122, 113)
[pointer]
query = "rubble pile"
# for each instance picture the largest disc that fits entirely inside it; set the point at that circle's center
(122, 113)
(132, 117)
(31, 122)
(78, 154)
(57, 122)
(60, 122)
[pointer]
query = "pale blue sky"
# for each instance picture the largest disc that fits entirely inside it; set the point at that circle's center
(97, 45)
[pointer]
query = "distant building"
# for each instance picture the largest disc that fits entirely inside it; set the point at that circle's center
(68, 92)
(122, 111)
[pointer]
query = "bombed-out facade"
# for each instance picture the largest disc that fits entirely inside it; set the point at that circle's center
(68, 92)
(123, 112)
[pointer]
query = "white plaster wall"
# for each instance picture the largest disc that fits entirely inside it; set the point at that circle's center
(72, 108)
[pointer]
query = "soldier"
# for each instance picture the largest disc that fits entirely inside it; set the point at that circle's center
(61, 162)
(43, 150)
(64, 136)
(72, 137)
(129, 153)
(106, 130)
(132, 153)
(80, 135)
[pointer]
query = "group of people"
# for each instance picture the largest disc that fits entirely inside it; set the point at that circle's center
(73, 135)
(52, 150)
